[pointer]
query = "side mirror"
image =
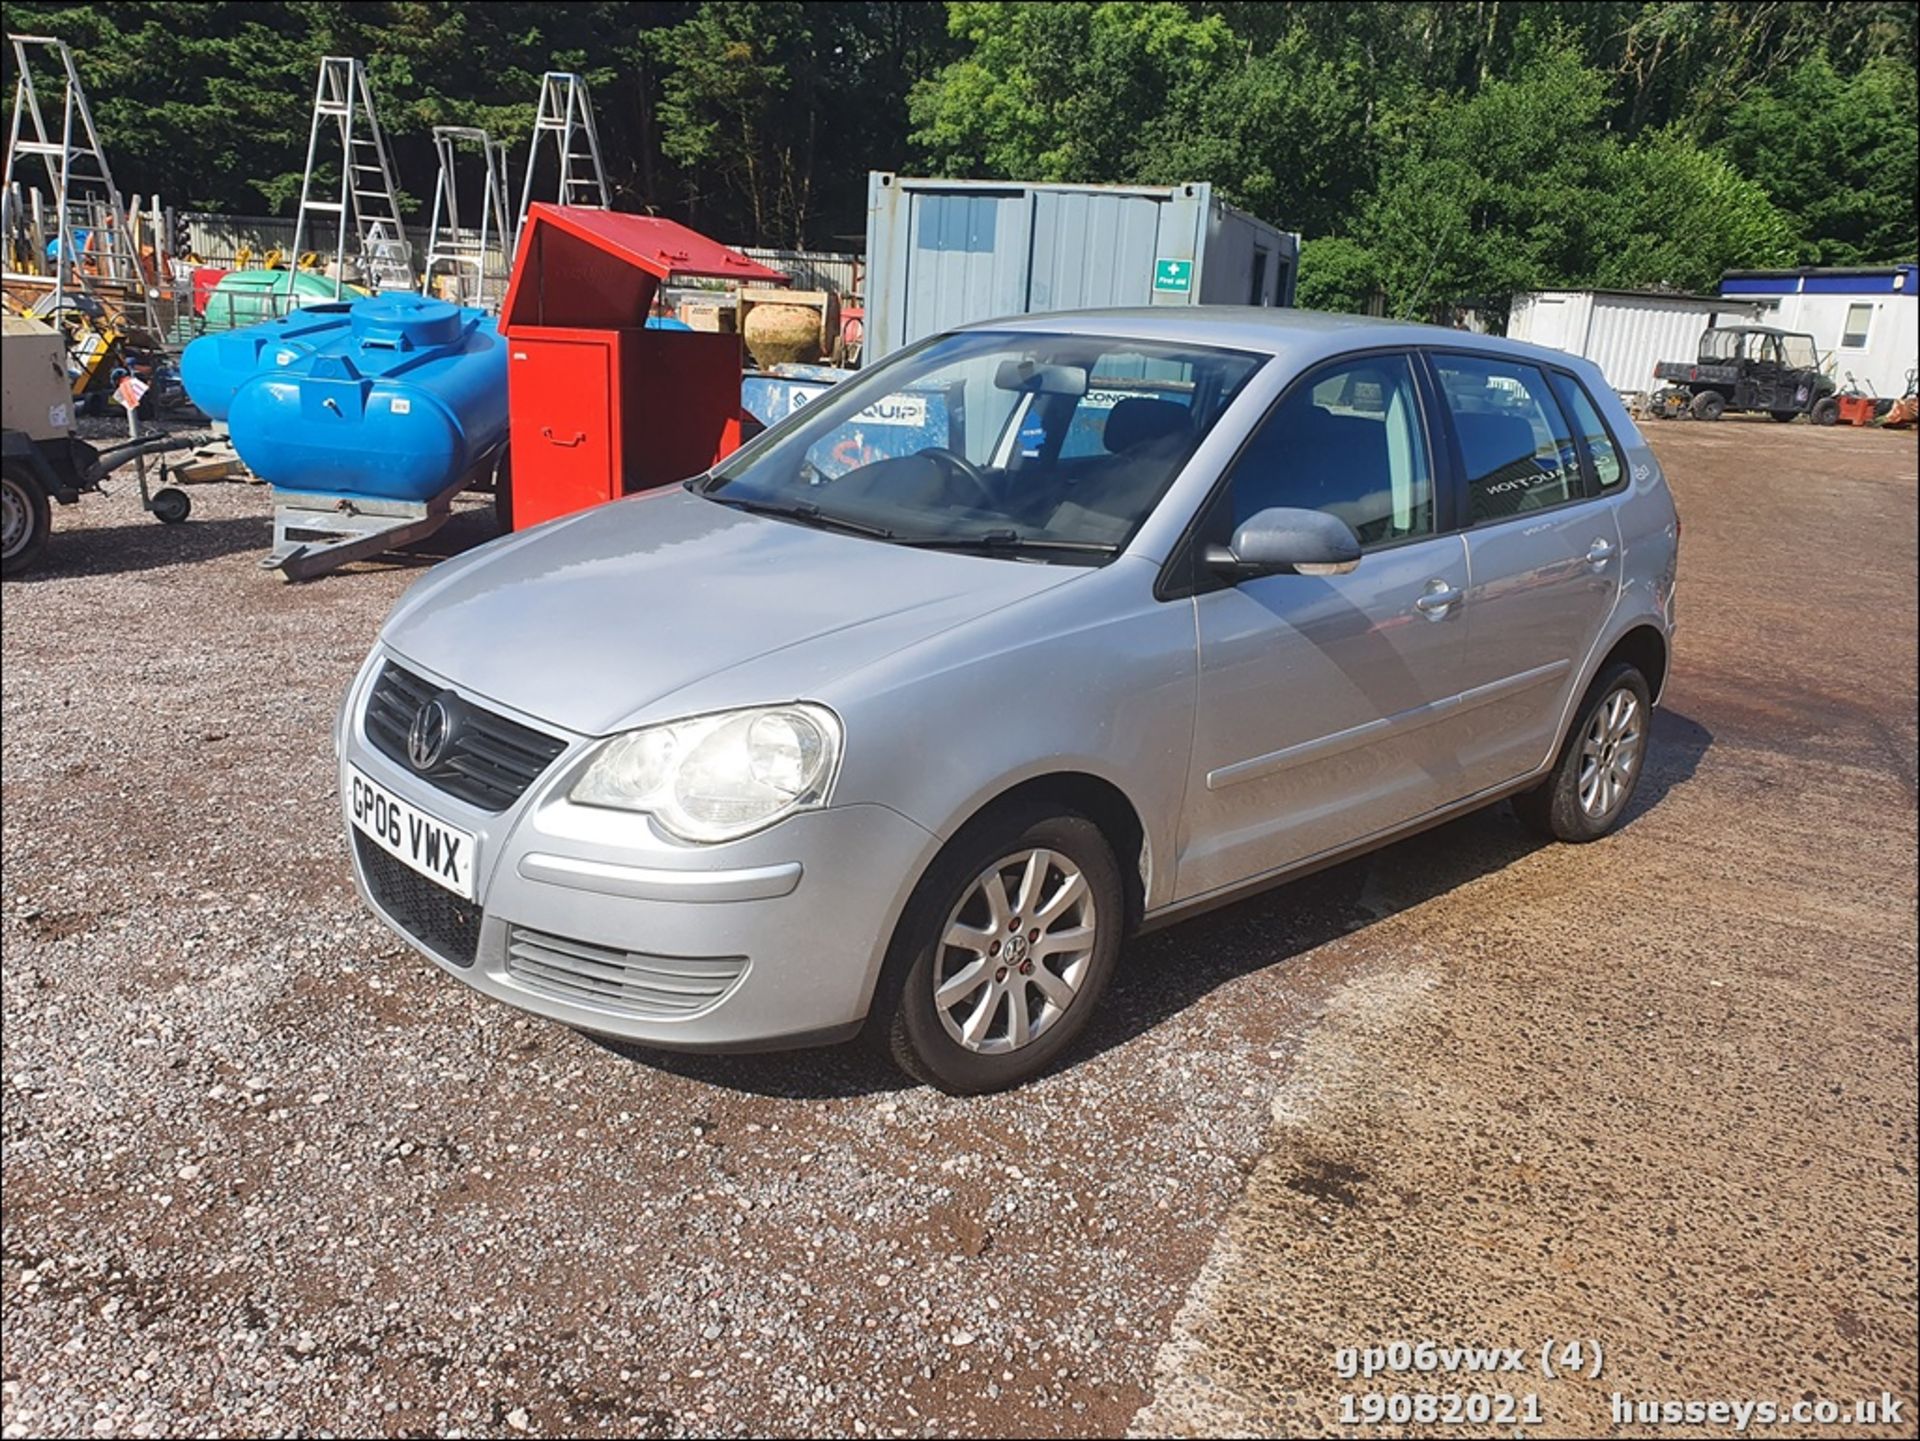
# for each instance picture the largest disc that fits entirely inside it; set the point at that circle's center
(1286, 541)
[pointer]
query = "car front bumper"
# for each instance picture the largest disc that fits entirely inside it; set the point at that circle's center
(592, 918)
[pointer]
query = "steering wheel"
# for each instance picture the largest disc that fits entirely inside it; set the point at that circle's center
(959, 465)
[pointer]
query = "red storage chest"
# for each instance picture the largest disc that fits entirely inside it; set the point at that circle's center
(601, 406)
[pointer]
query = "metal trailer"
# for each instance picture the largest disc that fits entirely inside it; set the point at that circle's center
(1624, 332)
(942, 253)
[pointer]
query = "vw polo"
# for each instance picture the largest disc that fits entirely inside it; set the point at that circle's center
(904, 716)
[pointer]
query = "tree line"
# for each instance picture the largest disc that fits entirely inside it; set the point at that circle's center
(1432, 154)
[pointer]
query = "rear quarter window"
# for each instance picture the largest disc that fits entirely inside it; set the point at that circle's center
(1607, 466)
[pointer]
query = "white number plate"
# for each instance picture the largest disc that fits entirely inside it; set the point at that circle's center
(437, 850)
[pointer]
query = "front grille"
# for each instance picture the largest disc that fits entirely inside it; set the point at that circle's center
(426, 910)
(491, 760)
(626, 982)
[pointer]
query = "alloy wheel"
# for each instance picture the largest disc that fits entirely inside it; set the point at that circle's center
(1015, 952)
(1610, 753)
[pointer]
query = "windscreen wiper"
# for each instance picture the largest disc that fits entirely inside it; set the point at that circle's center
(806, 513)
(1007, 540)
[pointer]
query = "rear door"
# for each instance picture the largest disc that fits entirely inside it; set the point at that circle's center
(1325, 701)
(1543, 554)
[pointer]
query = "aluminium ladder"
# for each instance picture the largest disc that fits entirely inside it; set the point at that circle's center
(369, 206)
(465, 254)
(565, 114)
(85, 199)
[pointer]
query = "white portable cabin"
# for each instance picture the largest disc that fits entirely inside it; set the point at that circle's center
(1864, 320)
(1624, 332)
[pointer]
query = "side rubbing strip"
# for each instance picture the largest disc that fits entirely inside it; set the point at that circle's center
(1260, 767)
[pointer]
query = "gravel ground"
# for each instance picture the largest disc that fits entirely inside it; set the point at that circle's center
(267, 1171)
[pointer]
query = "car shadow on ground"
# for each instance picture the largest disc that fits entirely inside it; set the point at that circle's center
(1164, 973)
(144, 545)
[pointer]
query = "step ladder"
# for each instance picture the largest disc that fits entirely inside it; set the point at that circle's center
(566, 115)
(94, 249)
(467, 262)
(366, 217)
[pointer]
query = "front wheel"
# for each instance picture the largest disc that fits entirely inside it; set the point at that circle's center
(1587, 792)
(1003, 952)
(26, 520)
(1826, 411)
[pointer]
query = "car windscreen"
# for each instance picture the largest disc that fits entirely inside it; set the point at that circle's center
(1054, 446)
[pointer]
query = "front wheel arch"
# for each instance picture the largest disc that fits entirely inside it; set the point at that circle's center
(1100, 801)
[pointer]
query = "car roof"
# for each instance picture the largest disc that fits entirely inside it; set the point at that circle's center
(1761, 330)
(1301, 337)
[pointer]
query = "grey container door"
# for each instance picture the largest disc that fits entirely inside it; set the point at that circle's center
(1092, 249)
(967, 259)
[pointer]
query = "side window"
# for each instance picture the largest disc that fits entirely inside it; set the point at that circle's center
(1348, 441)
(1586, 419)
(1518, 452)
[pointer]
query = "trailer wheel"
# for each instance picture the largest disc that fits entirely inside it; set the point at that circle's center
(1708, 405)
(503, 492)
(1826, 411)
(171, 505)
(26, 520)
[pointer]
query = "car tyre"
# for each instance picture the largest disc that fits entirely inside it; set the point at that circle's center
(1708, 405)
(1591, 785)
(1826, 411)
(28, 520)
(1019, 966)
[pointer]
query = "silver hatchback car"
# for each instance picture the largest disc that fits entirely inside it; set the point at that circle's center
(903, 717)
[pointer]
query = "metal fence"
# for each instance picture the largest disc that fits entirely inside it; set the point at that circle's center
(814, 269)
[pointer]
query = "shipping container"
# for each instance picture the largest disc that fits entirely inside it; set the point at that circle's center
(942, 253)
(1624, 332)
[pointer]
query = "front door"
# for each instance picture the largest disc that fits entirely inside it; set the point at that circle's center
(1324, 711)
(1543, 554)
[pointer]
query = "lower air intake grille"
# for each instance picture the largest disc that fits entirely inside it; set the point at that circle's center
(427, 911)
(624, 982)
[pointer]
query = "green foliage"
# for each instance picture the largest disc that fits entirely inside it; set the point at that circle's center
(1433, 154)
(1839, 154)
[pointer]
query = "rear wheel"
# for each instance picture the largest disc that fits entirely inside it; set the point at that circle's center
(1003, 952)
(26, 520)
(1708, 405)
(1590, 786)
(1783, 416)
(1826, 411)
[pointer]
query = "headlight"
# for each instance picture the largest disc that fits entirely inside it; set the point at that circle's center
(718, 777)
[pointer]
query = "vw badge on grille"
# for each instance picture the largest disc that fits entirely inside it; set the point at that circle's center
(430, 735)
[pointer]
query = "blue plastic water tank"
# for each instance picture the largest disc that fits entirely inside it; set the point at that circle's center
(215, 366)
(402, 403)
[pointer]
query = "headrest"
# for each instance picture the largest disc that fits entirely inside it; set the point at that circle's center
(1137, 420)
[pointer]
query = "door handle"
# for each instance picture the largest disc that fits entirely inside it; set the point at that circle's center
(1599, 553)
(578, 436)
(1438, 600)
